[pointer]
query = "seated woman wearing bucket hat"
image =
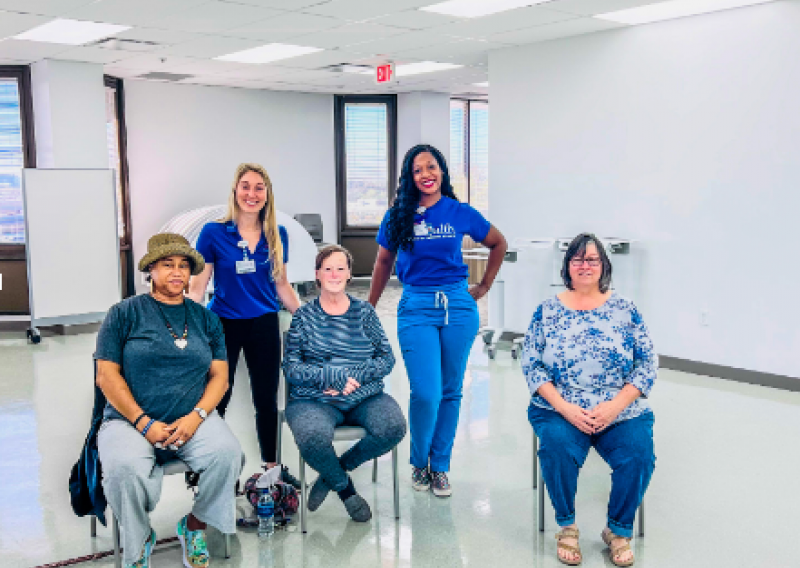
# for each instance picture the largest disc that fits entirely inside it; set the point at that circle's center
(336, 358)
(161, 364)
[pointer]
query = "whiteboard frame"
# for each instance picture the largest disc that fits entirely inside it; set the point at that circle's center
(70, 319)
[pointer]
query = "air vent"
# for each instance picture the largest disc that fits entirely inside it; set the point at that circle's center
(348, 68)
(127, 44)
(162, 76)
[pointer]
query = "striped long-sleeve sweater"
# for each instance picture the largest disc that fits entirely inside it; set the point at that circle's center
(322, 351)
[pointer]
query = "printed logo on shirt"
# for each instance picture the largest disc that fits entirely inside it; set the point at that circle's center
(443, 231)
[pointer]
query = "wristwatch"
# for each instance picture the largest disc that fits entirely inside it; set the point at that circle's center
(203, 414)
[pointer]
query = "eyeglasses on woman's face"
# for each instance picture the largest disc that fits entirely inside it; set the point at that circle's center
(593, 261)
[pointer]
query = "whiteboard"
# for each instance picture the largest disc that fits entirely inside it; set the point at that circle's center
(72, 245)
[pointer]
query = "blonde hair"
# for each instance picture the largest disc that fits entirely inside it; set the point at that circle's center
(266, 215)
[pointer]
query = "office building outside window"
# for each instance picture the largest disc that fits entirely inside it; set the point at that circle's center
(12, 161)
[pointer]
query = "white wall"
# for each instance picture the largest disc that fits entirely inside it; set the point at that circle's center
(69, 114)
(683, 134)
(185, 141)
(422, 118)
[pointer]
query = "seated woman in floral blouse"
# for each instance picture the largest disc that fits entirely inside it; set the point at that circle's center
(590, 364)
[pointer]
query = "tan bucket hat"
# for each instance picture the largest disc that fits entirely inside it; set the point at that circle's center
(163, 245)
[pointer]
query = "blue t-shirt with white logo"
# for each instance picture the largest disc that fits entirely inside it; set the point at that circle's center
(239, 296)
(436, 258)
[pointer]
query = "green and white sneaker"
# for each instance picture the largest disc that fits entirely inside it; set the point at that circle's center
(147, 550)
(195, 549)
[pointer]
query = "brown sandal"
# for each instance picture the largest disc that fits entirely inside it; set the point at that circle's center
(569, 532)
(615, 551)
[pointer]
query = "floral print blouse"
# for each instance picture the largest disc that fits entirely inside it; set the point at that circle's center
(589, 355)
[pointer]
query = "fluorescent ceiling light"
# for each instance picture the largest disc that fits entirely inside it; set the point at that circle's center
(484, 84)
(674, 9)
(478, 8)
(267, 53)
(423, 67)
(71, 32)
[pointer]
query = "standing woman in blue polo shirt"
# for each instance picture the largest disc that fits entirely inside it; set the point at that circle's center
(437, 318)
(247, 251)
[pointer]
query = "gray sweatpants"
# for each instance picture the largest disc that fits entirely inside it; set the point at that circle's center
(132, 479)
(312, 423)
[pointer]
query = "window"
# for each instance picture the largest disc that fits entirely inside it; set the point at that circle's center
(115, 136)
(469, 152)
(366, 164)
(16, 151)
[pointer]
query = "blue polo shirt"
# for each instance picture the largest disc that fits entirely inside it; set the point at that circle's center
(436, 259)
(239, 296)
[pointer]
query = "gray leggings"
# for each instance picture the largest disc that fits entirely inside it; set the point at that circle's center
(312, 423)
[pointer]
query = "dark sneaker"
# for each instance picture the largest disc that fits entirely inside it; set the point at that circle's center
(195, 549)
(358, 508)
(287, 477)
(147, 550)
(317, 494)
(420, 478)
(440, 484)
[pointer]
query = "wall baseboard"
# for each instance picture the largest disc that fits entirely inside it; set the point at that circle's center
(730, 373)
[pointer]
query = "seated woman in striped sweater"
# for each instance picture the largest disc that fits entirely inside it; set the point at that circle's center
(335, 360)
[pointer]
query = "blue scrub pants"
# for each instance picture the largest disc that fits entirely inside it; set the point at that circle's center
(436, 326)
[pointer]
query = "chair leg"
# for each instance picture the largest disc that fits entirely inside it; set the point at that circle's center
(94, 526)
(303, 494)
(541, 503)
(227, 545)
(375, 470)
(641, 518)
(115, 538)
(396, 479)
(535, 459)
(279, 437)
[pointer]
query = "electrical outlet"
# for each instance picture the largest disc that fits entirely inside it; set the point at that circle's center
(705, 318)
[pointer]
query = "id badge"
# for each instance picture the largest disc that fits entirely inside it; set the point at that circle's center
(420, 229)
(245, 266)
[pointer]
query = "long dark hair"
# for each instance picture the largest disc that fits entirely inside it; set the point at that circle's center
(400, 228)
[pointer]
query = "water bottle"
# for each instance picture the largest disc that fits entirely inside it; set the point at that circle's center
(266, 514)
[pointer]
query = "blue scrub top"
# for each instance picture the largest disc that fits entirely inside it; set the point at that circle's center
(239, 296)
(436, 259)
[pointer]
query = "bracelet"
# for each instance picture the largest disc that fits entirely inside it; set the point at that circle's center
(146, 428)
(136, 422)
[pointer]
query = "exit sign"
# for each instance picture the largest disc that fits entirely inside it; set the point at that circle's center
(384, 73)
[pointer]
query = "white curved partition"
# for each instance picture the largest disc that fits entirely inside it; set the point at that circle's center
(302, 250)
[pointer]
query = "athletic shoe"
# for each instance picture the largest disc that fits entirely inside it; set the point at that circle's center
(195, 549)
(317, 494)
(358, 508)
(440, 484)
(147, 550)
(420, 478)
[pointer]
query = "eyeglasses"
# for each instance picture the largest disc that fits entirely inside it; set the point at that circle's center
(593, 262)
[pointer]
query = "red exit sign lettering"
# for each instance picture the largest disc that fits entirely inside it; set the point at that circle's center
(384, 73)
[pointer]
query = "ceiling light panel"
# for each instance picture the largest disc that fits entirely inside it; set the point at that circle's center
(423, 67)
(478, 8)
(71, 32)
(674, 9)
(485, 84)
(267, 53)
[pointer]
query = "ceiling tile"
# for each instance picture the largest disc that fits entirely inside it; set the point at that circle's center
(258, 72)
(131, 12)
(504, 21)
(561, 29)
(206, 67)
(453, 49)
(12, 24)
(592, 7)
(280, 4)
(30, 50)
(211, 46)
(163, 37)
(152, 62)
(43, 7)
(92, 54)
(322, 59)
(217, 81)
(360, 10)
(285, 26)
(213, 16)
(350, 34)
(415, 19)
(402, 42)
(123, 72)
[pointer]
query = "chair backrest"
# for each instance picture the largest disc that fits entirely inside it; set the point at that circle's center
(312, 222)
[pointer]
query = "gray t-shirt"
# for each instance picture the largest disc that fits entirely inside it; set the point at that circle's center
(167, 382)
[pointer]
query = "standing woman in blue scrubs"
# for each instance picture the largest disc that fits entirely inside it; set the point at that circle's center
(437, 318)
(247, 252)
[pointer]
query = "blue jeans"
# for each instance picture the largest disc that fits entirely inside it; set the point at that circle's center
(436, 326)
(626, 446)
